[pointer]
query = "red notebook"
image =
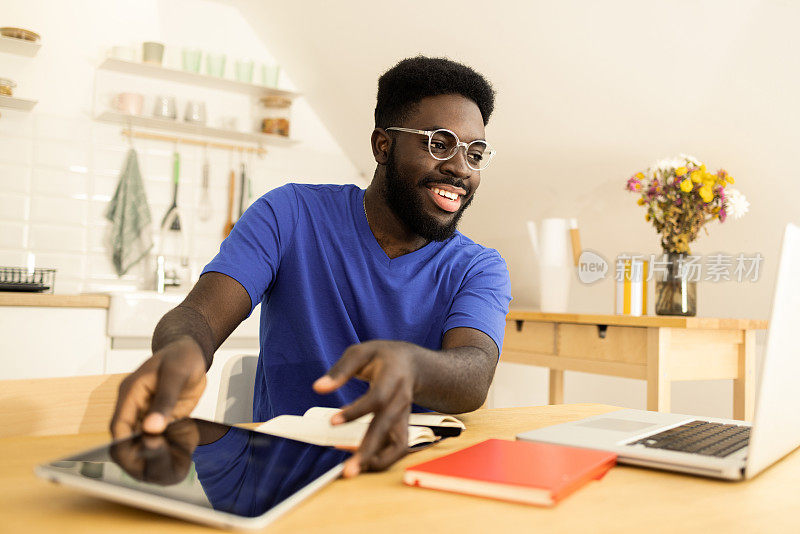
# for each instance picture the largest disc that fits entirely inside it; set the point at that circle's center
(520, 471)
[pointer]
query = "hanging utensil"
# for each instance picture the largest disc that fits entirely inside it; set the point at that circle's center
(205, 197)
(176, 168)
(249, 178)
(231, 195)
(242, 189)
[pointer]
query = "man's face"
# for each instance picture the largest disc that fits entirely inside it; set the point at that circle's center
(412, 174)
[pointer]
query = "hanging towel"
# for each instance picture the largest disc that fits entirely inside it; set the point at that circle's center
(130, 238)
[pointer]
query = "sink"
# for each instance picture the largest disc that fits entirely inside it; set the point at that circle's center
(134, 314)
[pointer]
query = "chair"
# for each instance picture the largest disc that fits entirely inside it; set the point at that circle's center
(53, 406)
(235, 398)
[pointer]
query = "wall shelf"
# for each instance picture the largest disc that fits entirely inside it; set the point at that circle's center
(189, 128)
(21, 47)
(200, 80)
(17, 104)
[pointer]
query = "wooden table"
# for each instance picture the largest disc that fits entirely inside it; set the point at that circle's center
(628, 499)
(658, 349)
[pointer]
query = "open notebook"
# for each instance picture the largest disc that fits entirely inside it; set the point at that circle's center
(314, 427)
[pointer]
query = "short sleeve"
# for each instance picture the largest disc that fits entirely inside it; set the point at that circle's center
(483, 298)
(252, 253)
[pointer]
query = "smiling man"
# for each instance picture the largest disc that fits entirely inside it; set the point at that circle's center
(371, 300)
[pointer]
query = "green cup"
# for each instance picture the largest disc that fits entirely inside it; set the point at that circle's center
(215, 65)
(191, 59)
(269, 75)
(244, 70)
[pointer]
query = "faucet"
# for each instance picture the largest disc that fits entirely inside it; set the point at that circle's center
(169, 278)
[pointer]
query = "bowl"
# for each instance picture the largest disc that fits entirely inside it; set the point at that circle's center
(20, 33)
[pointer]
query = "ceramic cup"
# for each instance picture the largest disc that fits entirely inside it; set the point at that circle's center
(165, 107)
(215, 64)
(129, 103)
(244, 70)
(269, 75)
(191, 59)
(195, 112)
(152, 52)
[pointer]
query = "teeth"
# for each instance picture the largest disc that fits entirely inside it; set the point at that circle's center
(446, 194)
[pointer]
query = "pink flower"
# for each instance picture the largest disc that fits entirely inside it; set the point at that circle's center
(634, 184)
(722, 215)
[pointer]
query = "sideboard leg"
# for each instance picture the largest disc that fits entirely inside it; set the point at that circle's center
(556, 391)
(744, 386)
(658, 380)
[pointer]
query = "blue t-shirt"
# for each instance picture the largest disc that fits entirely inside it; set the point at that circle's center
(307, 254)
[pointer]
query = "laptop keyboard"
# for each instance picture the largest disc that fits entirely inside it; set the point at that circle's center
(700, 437)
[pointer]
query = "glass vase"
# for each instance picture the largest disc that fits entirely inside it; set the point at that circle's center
(676, 292)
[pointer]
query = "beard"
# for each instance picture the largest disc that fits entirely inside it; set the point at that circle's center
(409, 206)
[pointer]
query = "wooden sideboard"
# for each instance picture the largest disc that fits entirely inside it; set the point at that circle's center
(658, 349)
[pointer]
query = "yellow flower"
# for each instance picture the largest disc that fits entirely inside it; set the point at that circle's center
(729, 179)
(706, 194)
(686, 185)
(647, 217)
(640, 202)
(640, 176)
(696, 176)
(703, 167)
(680, 171)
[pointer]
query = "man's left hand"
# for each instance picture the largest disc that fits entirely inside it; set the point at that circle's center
(389, 368)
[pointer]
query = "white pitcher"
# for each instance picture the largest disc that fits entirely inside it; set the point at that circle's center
(551, 247)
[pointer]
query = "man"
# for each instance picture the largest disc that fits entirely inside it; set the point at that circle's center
(375, 285)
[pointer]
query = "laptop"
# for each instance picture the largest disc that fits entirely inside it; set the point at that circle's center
(713, 447)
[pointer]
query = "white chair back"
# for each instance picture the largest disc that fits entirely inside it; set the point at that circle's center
(235, 398)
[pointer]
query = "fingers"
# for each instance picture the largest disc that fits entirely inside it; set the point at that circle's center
(134, 394)
(351, 363)
(380, 393)
(166, 387)
(396, 449)
(171, 382)
(386, 439)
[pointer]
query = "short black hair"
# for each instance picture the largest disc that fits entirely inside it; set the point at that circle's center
(402, 87)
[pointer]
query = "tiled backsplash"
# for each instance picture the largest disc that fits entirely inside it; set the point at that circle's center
(57, 175)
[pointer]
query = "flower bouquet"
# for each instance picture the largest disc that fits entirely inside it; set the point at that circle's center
(681, 197)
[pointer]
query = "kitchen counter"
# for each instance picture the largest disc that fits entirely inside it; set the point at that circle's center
(50, 300)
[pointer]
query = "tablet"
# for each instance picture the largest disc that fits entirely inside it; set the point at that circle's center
(202, 471)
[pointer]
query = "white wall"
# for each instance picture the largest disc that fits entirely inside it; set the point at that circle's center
(59, 168)
(588, 93)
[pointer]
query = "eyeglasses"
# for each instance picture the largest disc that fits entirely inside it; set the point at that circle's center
(443, 145)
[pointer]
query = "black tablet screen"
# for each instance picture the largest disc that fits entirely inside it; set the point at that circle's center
(207, 464)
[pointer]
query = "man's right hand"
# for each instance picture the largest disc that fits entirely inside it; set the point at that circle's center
(164, 388)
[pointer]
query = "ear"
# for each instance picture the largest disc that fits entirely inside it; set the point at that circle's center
(381, 142)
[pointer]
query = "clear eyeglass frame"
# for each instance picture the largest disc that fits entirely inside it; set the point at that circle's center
(488, 152)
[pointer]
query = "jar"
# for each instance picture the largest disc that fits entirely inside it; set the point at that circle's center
(275, 115)
(7, 87)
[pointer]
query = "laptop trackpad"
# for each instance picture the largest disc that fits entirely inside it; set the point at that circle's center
(623, 425)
